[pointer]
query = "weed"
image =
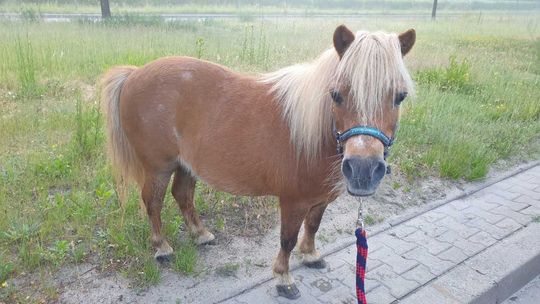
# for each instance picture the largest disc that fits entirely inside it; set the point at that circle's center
(200, 47)
(455, 77)
(151, 272)
(185, 258)
(28, 85)
(6, 268)
(228, 270)
(369, 220)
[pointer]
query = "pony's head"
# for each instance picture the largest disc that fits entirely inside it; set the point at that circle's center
(356, 86)
(371, 82)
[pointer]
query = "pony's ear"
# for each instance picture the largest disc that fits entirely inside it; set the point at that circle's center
(406, 41)
(343, 37)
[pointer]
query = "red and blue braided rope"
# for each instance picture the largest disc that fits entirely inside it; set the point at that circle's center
(361, 258)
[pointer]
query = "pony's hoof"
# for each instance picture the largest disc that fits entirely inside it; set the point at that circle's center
(164, 258)
(206, 239)
(319, 264)
(288, 291)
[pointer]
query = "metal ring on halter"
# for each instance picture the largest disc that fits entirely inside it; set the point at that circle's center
(360, 218)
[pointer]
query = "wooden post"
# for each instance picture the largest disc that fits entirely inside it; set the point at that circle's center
(434, 10)
(105, 9)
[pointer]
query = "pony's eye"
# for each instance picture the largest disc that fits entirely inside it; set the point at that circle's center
(400, 97)
(336, 96)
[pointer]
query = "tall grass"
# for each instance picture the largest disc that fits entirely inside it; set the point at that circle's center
(26, 68)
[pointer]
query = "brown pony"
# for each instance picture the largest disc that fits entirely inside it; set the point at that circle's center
(266, 135)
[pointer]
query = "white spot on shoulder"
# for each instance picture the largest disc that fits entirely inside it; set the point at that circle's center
(187, 75)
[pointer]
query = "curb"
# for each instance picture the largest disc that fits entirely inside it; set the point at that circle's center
(394, 221)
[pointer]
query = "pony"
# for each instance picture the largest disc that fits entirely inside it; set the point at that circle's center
(305, 134)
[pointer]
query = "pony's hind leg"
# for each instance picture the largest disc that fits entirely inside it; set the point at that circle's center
(153, 193)
(291, 220)
(183, 190)
(311, 256)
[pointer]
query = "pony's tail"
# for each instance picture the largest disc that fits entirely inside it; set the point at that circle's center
(126, 166)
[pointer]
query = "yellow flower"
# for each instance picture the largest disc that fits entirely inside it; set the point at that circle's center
(4, 285)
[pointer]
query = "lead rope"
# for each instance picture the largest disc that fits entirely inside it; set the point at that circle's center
(361, 254)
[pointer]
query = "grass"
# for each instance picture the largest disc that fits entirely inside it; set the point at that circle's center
(477, 103)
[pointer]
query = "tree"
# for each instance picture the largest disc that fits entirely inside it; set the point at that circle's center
(105, 9)
(434, 10)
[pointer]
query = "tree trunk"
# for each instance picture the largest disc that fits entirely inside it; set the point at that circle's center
(434, 10)
(105, 9)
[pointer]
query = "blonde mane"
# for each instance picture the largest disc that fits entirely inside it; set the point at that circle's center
(371, 66)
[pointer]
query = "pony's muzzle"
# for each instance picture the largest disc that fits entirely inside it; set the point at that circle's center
(363, 174)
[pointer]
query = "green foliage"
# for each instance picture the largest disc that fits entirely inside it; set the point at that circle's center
(228, 270)
(6, 268)
(28, 86)
(455, 77)
(200, 47)
(185, 258)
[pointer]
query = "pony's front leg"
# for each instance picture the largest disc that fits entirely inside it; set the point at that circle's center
(291, 220)
(311, 256)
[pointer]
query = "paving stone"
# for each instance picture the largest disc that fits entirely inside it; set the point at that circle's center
(453, 254)
(492, 198)
(491, 218)
(483, 238)
(396, 244)
(505, 184)
(257, 295)
(519, 190)
(396, 262)
(339, 295)
(431, 217)
(505, 193)
(525, 177)
(433, 263)
(494, 231)
(532, 211)
(463, 284)
(461, 229)
(402, 231)
(460, 204)
(380, 295)
(430, 229)
(509, 225)
(527, 200)
(320, 285)
(397, 285)
(516, 216)
(431, 244)
(482, 204)
(448, 210)
(419, 274)
(468, 248)
(429, 295)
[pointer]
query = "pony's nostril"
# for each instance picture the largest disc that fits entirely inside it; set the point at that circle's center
(347, 169)
(380, 170)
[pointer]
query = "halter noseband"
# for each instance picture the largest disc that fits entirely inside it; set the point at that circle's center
(363, 130)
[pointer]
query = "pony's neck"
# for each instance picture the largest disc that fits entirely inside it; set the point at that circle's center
(302, 92)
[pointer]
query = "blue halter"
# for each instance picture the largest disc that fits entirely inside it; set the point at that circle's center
(363, 130)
